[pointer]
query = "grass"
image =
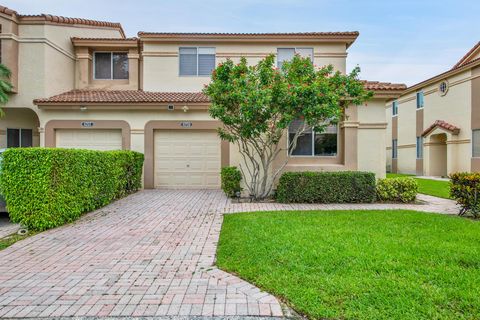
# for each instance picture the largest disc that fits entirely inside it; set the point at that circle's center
(8, 241)
(435, 188)
(359, 264)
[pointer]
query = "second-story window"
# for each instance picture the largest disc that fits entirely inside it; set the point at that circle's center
(420, 100)
(110, 65)
(197, 61)
(286, 54)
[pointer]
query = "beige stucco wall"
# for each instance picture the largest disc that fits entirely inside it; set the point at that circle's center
(161, 61)
(407, 134)
(454, 108)
(47, 61)
(366, 134)
(372, 135)
(388, 136)
(18, 118)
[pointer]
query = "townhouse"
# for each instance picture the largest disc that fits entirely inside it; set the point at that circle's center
(434, 126)
(83, 84)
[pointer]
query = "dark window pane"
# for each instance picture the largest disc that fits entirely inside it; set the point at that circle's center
(304, 145)
(13, 138)
(103, 65)
(476, 143)
(26, 138)
(326, 144)
(188, 61)
(120, 66)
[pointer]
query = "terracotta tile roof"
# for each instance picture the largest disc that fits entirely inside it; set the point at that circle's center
(383, 86)
(259, 34)
(62, 20)
(346, 37)
(7, 11)
(123, 96)
(105, 39)
(464, 59)
(442, 124)
(139, 96)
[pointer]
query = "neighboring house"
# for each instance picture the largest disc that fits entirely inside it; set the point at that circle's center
(93, 88)
(434, 126)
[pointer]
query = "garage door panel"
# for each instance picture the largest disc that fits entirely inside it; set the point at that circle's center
(92, 139)
(187, 159)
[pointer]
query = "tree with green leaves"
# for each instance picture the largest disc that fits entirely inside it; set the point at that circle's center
(6, 86)
(257, 104)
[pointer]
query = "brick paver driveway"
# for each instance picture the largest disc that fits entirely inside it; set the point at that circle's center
(150, 254)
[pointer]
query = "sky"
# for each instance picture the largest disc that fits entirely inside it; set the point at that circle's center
(402, 41)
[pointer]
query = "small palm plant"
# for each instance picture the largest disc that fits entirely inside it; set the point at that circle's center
(6, 86)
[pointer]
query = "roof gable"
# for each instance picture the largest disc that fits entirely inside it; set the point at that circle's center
(471, 55)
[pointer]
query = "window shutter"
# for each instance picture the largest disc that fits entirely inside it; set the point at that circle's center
(206, 61)
(188, 61)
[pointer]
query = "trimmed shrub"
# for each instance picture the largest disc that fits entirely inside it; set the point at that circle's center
(465, 189)
(397, 189)
(48, 187)
(326, 187)
(231, 178)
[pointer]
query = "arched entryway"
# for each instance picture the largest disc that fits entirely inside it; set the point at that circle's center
(437, 150)
(438, 140)
(19, 128)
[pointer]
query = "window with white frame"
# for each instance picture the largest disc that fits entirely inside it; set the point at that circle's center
(394, 108)
(313, 143)
(17, 138)
(420, 102)
(287, 54)
(110, 65)
(419, 147)
(196, 61)
(476, 143)
(394, 148)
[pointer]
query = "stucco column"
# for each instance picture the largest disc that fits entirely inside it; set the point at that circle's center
(82, 77)
(452, 153)
(41, 132)
(350, 132)
(133, 69)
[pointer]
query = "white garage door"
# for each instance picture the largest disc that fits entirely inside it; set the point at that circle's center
(187, 159)
(93, 139)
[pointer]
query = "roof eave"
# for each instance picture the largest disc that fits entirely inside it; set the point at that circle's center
(151, 37)
(441, 76)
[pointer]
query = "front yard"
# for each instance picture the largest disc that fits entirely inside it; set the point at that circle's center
(431, 187)
(359, 264)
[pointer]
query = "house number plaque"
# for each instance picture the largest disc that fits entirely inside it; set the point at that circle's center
(87, 124)
(185, 124)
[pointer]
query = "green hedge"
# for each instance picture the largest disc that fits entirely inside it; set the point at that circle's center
(45, 188)
(326, 187)
(397, 189)
(231, 178)
(465, 189)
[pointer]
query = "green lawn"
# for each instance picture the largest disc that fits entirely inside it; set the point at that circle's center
(435, 188)
(359, 264)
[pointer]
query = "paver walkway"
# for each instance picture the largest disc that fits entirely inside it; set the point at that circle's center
(150, 254)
